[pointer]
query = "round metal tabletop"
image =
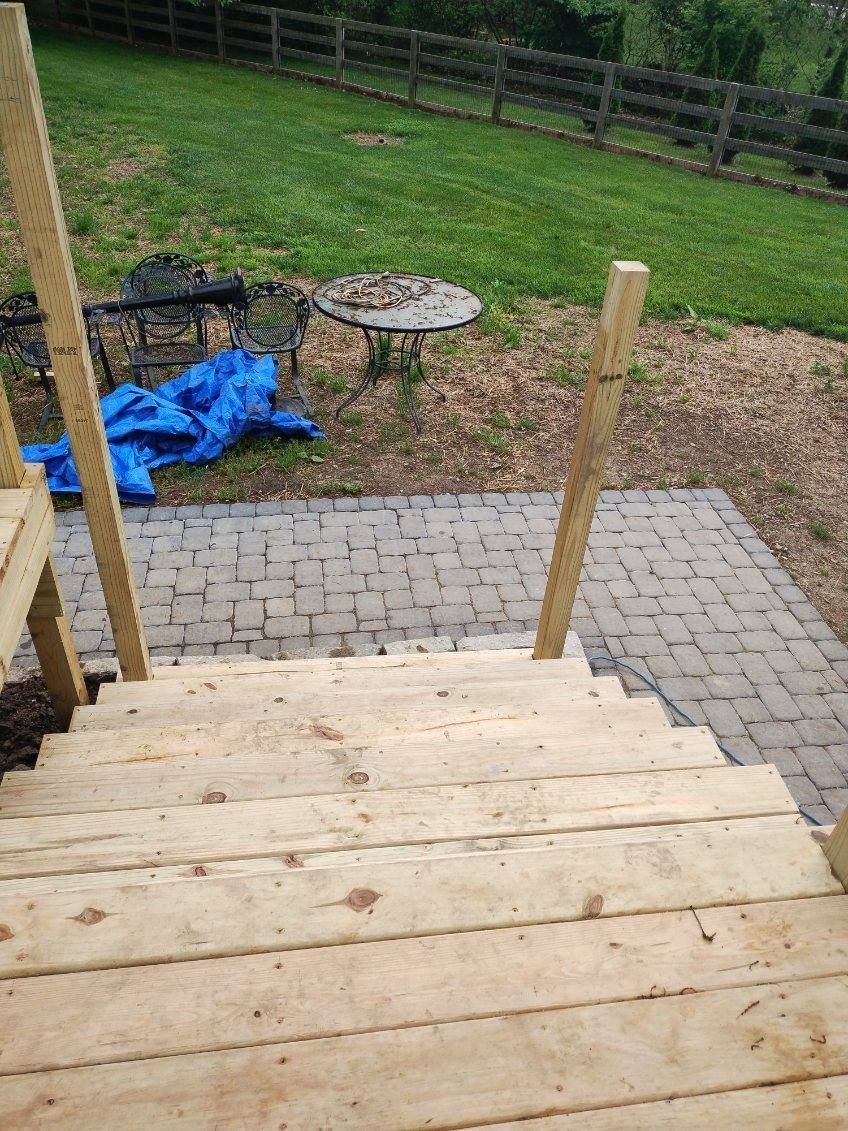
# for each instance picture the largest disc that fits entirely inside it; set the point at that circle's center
(394, 303)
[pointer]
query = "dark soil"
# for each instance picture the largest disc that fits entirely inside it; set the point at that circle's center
(26, 715)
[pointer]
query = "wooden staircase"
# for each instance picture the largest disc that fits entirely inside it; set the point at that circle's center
(435, 891)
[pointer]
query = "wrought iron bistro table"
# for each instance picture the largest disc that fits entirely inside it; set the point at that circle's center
(386, 307)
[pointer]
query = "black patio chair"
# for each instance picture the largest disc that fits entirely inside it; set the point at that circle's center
(27, 345)
(272, 319)
(164, 336)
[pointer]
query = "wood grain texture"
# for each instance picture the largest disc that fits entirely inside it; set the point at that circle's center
(480, 1071)
(33, 180)
(54, 646)
(167, 1010)
(446, 725)
(134, 919)
(134, 838)
(622, 309)
(347, 768)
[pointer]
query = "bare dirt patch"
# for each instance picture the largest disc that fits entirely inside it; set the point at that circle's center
(375, 139)
(763, 415)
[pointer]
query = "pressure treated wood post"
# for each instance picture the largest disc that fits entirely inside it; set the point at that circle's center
(219, 32)
(414, 48)
(36, 194)
(724, 125)
(620, 315)
(836, 849)
(497, 94)
(172, 25)
(603, 108)
(340, 53)
(46, 620)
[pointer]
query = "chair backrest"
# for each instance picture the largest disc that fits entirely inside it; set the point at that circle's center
(162, 274)
(28, 343)
(273, 316)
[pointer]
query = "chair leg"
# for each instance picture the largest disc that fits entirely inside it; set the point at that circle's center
(49, 401)
(107, 368)
(298, 385)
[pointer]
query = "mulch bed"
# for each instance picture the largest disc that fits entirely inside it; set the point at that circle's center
(763, 415)
(26, 715)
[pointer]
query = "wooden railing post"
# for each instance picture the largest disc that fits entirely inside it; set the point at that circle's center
(620, 315)
(836, 849)
(275, 38)
(725, 122)
(36, 194)
(219, 32)
(497, 93)
(340, 52)
(128, 21)
(89, 17)
(412, 96)
(48, 626)
(603, 108)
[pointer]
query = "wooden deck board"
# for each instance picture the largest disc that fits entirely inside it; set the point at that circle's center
(252, 776)
(124, 922)
(452, 1075)
(133, 838)
(222, 1003)
(627, 927)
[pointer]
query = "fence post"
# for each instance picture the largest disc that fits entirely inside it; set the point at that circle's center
(172, 25)
(89, 17)
(412, 96)
(603, 109)
(275, 38)
(128, 19)
(340, 52)
(219, 31)
(725, 122)
(622, 309)
(497, 93)
(33, 180)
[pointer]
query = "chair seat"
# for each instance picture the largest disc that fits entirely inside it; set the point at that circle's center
(160, 354)
(270, 339)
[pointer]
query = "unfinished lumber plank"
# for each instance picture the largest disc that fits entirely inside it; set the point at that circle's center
(452, 724)
(480, 1071)
(54, 646)
(26, 558)
(222, 667)
(347, 768)
(198, 692)
(545, 695)
(221, 1003)
(813, 1105)
(134, 838)
(204, 915)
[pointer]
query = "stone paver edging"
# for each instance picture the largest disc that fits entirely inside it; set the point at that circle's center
(676, 583)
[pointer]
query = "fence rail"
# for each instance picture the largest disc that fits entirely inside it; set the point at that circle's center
(571, 97)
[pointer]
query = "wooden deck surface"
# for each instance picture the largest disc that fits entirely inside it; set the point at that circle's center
(470, 890)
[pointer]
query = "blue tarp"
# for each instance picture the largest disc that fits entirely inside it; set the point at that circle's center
(195, 418)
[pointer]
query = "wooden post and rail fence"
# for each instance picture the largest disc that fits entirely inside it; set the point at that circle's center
(581, 100)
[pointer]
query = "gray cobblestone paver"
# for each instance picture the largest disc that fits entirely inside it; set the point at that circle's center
(677, 583)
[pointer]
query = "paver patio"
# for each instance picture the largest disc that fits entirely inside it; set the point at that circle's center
(676, 583)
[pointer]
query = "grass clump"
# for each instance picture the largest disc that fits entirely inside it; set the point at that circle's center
(786, 487)
(821, 531)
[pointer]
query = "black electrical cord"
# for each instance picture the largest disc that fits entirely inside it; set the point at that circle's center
(604, 658)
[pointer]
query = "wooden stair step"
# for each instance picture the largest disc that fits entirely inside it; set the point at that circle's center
(448, 725)
(133, 838)
(139, 917)
(197, 692)
(221, 1003)
(349, 768)
(447, 660)
(471, 1071)
(545, 695)
(811, 1105)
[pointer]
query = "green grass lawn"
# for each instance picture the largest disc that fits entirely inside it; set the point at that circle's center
(239, 168)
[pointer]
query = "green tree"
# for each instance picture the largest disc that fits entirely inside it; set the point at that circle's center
(839, 150)
(746, 71)
(706, 67)
(611, 49)
(832, 87)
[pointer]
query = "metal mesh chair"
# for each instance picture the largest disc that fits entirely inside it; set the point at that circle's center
(164, 336)
(28, 345)
(272, 319)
